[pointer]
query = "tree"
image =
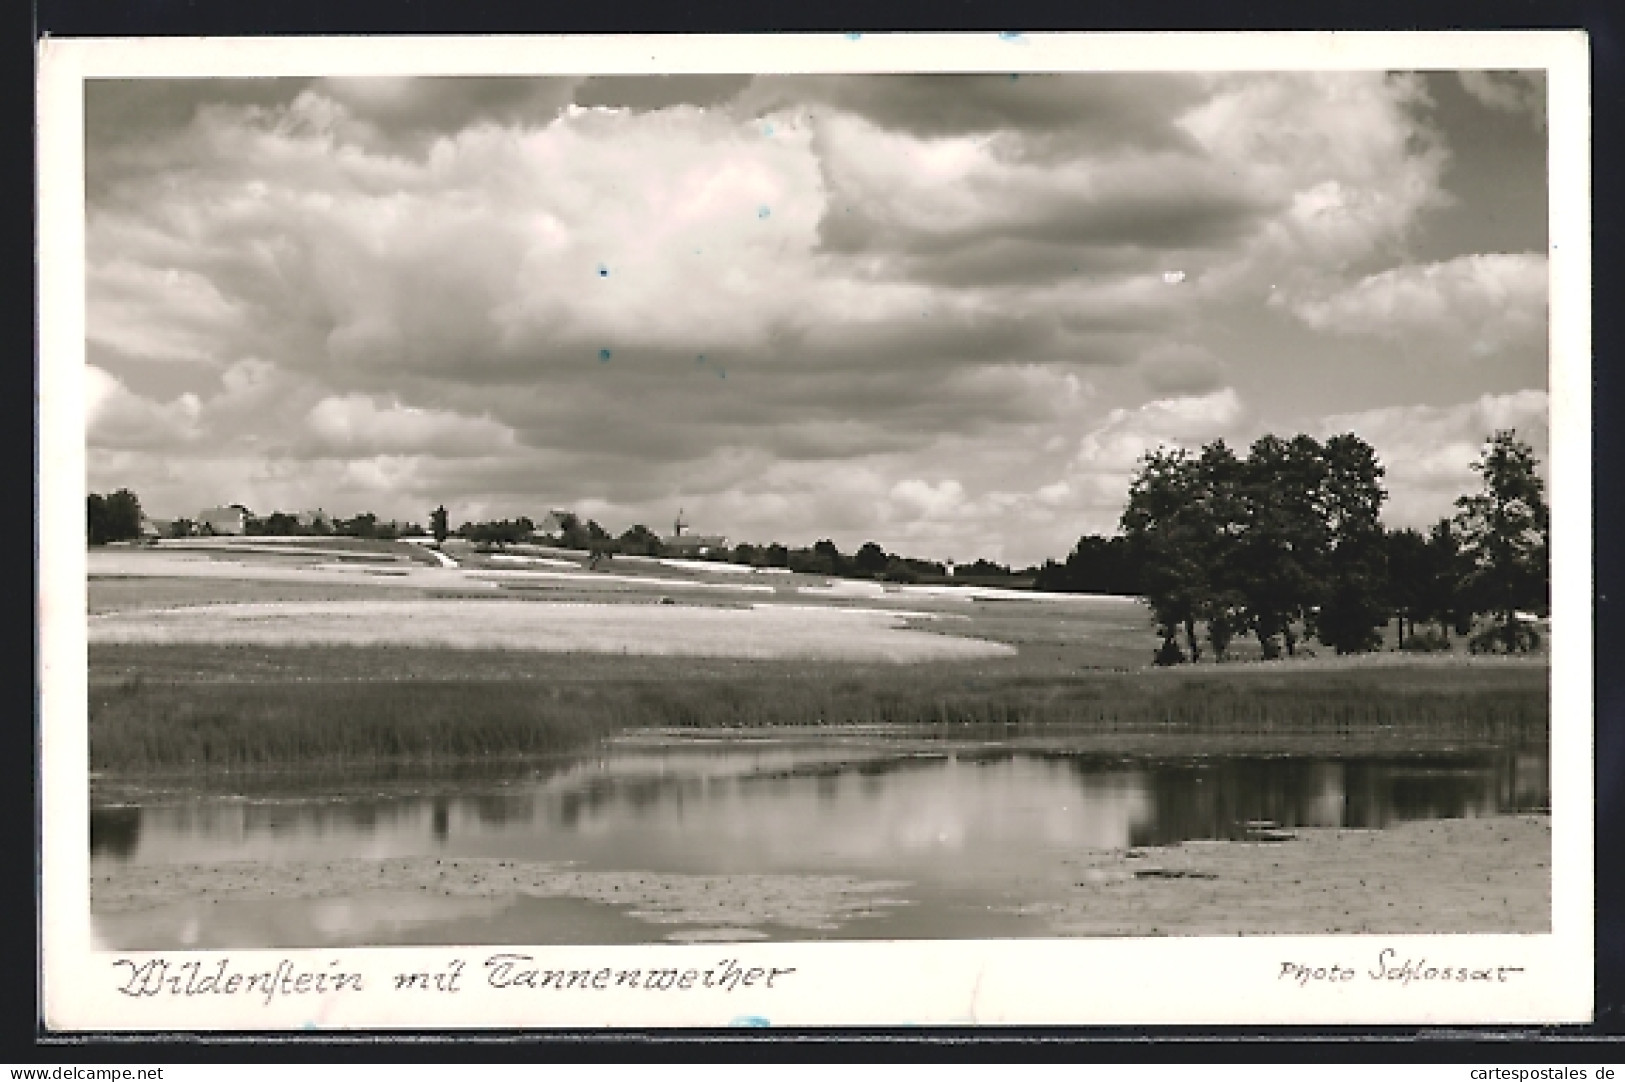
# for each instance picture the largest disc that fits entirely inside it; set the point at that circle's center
(639, 540)
(827, 558)
(1163, 527)
(114, 517)
(1279, 554)
(439, 524)
(870, 559)
(1096, 565)
(1504, 538)
(276, 524)
(1220, 512)
(573, 533)
(1410, 578)
(1447, 602)
(503, 531)
(982, 568)
(898, 570)
(364, 525)
(1352, 607)
(96, 519)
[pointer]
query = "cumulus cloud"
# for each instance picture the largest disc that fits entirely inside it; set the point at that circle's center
(1428, 451)
(1483, 303)
(1183, 421)
(927, 499)
(356, 425)
(406, 115)
(115, 417)
(932, 196)
(922, 309)
(1351, 160)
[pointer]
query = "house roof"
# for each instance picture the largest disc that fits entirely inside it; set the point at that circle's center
(695, 540)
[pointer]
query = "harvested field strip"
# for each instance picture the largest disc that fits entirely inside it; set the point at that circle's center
(832, 634)
(225, 567)
(594, 578)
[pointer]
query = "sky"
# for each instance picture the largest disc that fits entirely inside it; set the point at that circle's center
(946, 313)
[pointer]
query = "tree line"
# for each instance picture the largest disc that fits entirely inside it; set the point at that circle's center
(118, 517)
(823, 557)
(1285, 543)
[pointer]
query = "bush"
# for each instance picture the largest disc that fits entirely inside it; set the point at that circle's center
(1427, 641)
(1169, 654)
(1492, 640)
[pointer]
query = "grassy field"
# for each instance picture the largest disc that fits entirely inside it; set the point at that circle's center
(769, 632)
(236, 659)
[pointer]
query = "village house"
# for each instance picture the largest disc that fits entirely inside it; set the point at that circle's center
(551, 526)
(678, 543)
(231, 519)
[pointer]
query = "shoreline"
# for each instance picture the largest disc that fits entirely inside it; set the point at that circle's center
(298, 782)
(1483, 875)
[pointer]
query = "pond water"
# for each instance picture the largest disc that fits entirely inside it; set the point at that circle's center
(958, 833)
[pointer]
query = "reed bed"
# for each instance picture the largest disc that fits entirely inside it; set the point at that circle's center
(289, 706)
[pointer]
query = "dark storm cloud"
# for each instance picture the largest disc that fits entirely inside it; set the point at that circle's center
(646, 93)
(1179, 368)
(931, 344)
(1110, 110)
(133, 110)
(653, 407)
(1004, 261)
(132, 123)
(1183, 205)
(410, 110)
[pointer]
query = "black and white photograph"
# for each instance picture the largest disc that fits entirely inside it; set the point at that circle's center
(717, 519)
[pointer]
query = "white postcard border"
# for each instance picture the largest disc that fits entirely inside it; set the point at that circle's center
(1063, 981)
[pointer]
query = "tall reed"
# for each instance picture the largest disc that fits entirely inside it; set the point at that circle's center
(284, 715)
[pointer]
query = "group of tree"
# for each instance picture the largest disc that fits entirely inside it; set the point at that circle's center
(824, 557)
(1096, 565)
(1286, 543)
(364, 525)
(497, 531)
(113, 517)
(118, 517)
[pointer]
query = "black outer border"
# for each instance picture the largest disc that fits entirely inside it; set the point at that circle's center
(21, 1028)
